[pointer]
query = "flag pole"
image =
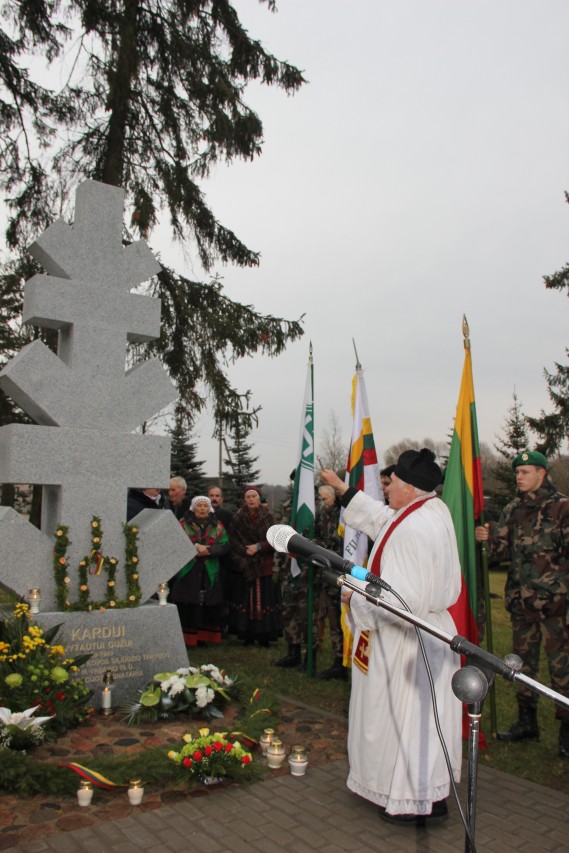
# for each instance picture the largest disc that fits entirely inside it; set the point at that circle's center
(310, 668)
(358, 365)
(485, 575)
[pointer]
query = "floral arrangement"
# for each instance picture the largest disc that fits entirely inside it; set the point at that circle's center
(93, 564)
(35, 673)
(187, 690)
(19, 730)
(211, 758)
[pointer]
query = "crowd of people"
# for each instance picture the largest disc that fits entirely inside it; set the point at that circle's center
(395, 757)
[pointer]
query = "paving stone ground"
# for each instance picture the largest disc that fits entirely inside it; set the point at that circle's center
(312, 813)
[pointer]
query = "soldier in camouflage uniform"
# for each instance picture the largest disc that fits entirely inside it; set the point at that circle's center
(326, 534)
(533, 533)
(294, 592)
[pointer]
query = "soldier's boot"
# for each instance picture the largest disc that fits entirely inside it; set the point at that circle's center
(292, 658)
(525, 728)
(337, 670)
(564, 740)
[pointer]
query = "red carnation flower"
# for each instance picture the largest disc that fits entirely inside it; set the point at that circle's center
(60, 696)
(246, 759)
(198, 755)
(217, 745)
(228, 747)
(187, 762)
(208, 750)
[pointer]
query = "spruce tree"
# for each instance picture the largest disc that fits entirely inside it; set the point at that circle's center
(553, 427)
(514, 439)
(183, 457)
(241, 471)
(154, 99)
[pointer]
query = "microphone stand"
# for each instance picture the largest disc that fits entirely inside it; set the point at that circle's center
(470, 684)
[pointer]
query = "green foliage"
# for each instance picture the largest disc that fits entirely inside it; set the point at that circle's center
(515, 438)
(154, 99)
(242, 472)
(189, 690)
(553, 427)
(183, 456)
(35, 672)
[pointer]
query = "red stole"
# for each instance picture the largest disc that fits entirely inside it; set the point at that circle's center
(363, 648)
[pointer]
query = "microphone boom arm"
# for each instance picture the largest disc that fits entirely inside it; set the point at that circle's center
(457, 643)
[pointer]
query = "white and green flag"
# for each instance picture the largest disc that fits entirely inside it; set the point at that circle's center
(303, 505)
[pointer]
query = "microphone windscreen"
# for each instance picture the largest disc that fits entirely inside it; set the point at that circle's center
(278, 536)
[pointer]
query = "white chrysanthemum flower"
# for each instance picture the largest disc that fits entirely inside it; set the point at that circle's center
(177, 687)
(184, 670)
(204, 695)
(168, 682)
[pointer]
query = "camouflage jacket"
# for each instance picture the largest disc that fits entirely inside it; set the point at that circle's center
(326, 528)
(533, 533)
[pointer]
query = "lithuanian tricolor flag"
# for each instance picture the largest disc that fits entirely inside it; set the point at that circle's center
(362, 472)
(463, 494)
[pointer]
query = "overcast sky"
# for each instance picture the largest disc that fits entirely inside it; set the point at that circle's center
(418, 176)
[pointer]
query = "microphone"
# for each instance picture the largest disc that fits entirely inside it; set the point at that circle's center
(286, 540)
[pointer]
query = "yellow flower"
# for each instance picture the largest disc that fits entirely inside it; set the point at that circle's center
(67, 580)
(204, 732)
(62, 561)
(96, 540)
(134, 529)
(112, 603)
(94, 524)
(83, 587)
(82, 563)
(187, 738)
(134, 559)
(35, 631)
(59, 532)
(112, 561)
(172, 754)
(57, 650)
(111, 583)
(134, 576)
(132, 598)
(4, 647)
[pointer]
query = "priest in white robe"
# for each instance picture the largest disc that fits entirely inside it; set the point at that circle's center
(396, 759)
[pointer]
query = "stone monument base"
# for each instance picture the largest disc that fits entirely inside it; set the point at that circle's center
(133, 643)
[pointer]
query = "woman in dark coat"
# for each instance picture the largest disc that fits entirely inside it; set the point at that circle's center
(196, 589)
(254, 612)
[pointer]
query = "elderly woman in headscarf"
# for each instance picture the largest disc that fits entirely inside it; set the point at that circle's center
(254, 612)
(196, 589)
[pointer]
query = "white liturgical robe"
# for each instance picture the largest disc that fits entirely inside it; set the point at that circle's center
(396, 759)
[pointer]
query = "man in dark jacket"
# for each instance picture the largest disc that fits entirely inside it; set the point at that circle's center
(533, 534)
(139, 499)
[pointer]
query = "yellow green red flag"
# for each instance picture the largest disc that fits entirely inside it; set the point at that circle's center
(464, 496)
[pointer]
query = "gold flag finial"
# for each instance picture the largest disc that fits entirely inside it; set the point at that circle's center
(465, 332)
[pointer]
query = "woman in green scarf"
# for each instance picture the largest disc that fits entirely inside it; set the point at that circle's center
(196, 589)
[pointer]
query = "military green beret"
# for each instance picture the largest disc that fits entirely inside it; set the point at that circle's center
(530, 457)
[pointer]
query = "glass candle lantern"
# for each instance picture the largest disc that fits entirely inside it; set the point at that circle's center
(85, 793)
(298, 761)
(135, 792)
(275, 754)
(34, 597)
(107, 694)
(162, 591)
(265, 739)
